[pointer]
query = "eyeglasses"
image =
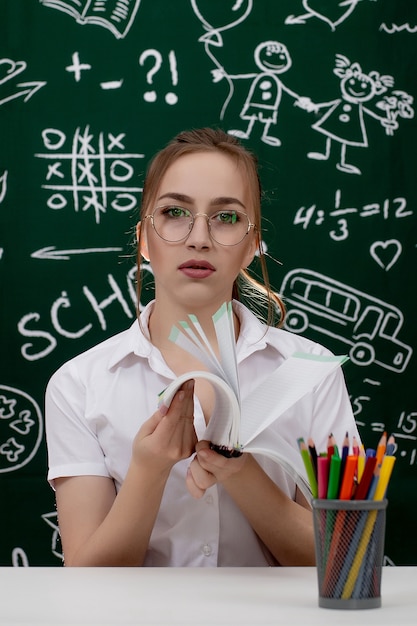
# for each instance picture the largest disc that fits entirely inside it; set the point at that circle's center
(174, 223)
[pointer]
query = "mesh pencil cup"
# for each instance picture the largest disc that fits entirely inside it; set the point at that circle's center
(349, 543)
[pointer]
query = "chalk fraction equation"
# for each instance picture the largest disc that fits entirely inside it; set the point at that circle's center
(89, 173)
(338, 215)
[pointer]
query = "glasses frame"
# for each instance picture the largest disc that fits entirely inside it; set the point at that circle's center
(192, 222)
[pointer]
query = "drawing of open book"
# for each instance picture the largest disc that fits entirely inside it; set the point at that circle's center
(235, 425)
(116, 15)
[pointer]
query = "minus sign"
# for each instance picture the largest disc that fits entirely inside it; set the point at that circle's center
(112, 84)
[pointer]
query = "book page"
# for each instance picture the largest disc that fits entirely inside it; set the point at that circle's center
(296, 377)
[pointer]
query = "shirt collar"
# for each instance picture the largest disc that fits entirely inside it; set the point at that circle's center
(134, 340)
(254, 335)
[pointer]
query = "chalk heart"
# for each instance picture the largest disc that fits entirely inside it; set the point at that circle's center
(386, 253)
(221, 15)
(330, 11)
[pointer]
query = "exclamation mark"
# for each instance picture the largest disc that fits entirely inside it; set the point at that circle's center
(170, 97)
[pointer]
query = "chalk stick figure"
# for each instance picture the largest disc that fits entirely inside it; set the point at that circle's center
(343, 121)
(265, 93)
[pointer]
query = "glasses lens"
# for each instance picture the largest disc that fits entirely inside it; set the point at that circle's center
(229, 227)
(172, 223)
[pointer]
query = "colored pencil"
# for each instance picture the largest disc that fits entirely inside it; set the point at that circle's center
(382, 446)
(365, 483)
(348, 477)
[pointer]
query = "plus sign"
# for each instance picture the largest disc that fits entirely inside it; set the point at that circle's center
(77, 67)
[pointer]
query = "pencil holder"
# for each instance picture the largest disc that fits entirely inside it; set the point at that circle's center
(349, 543)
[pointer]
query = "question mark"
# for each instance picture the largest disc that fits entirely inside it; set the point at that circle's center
(150, 96)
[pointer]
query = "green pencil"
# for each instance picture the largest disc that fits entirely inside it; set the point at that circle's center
(334, 473)
(311, 474)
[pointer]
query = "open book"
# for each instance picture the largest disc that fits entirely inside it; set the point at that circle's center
(237, 425)
(116, 15)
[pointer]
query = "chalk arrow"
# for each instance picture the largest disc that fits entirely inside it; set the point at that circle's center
(298, 19)
(27, 91)
(52, 254)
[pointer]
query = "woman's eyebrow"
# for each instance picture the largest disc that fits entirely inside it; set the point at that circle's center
(173, 195)
(222, 200)
(219, 201)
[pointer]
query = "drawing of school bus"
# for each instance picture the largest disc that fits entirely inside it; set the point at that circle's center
(367, 325)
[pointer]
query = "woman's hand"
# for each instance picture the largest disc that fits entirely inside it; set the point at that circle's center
(209, 467)
(169, 435)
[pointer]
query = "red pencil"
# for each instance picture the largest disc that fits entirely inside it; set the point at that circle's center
(323, 465)
(365, 483)
(355, 446)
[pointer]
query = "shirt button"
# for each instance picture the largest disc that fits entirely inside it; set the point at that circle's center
(207, 550)
(209, 500)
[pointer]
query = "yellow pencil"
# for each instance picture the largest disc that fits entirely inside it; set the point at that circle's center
(380, 491)
(361, 462)
(384, 476)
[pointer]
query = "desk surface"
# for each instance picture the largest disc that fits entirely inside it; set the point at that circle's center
(169, 596)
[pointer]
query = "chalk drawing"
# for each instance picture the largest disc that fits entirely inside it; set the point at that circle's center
(21, 428)
(19, 558)
(344, 119)
(366, 326)
(397, 104)
(111, 84)
(3, 185)
(9, 69)
(52, 520)
(387, 209)
(77, 67)
(332, 13)
(397, 28)
(44, 333)
(116, 15)
(50, 253)
(264, 97)
(234, 13)
(92, 173)
(386, 253)
(156, 63)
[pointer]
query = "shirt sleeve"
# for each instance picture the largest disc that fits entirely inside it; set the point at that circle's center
(73, 446)
(332, 411)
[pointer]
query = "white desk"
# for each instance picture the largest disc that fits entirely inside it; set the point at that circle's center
(168, 596)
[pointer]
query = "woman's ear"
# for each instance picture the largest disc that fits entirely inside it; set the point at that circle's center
(252, 249)
(142, 241)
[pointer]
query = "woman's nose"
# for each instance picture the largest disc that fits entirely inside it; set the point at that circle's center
(200, 232)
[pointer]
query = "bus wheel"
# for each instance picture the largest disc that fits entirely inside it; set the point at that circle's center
(362, 354)
(296, 321)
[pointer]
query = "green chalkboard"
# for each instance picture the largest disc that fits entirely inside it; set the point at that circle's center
(90, 91)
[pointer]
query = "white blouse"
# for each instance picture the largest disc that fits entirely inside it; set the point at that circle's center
(97, 401)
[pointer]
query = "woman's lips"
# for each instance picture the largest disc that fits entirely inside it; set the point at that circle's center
(196, 269)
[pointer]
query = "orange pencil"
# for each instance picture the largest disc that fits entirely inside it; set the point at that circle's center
(380, 451)
(348, 477)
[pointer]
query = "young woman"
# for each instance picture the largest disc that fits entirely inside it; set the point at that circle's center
(138, 486)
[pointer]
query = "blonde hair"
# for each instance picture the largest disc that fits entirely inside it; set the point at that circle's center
(259, 294)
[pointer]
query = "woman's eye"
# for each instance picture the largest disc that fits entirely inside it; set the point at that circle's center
(176, 211)
(226, 217)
